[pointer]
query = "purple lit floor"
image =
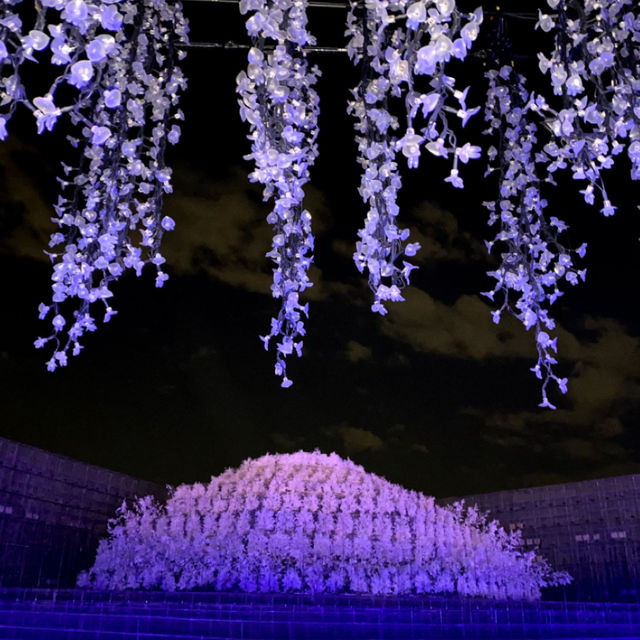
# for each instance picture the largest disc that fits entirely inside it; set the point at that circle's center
(40, 614)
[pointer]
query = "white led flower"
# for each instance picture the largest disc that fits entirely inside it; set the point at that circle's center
(391, 56)
(594, 67)
(76, 12)
(410, 145)
(46, 112)
(445, 7)
(109, 218)
(110, 17)
(80, 74)
(99, 48)
(36, 40)
(416, 14)
(534, 263)
(545, 22)
(278, 100)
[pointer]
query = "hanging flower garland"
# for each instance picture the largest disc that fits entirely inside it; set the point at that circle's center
(381, 241)
(389, 56)
(279, 102)
(130, 86)
(119, 57)
(534, 262)
(79, 38)
(12, 55)
(595, 69)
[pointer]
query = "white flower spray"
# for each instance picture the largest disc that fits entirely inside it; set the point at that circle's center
(279, 102)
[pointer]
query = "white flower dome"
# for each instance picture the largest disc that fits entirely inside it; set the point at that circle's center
(311, 522)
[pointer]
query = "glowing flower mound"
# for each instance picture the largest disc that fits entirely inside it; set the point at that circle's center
(310, 522)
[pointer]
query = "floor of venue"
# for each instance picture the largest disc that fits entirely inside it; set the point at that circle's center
(64, 614)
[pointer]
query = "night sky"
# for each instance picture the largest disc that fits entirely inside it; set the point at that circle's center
(178, 387)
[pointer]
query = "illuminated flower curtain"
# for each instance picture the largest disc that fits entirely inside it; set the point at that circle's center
(279, 102)
(533, 262)
(402, 50)
(119, 57)
(392, 43)
(595, 69)
(591, 116)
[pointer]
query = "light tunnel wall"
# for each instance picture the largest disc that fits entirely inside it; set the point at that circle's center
(53, 511)
(590, 529)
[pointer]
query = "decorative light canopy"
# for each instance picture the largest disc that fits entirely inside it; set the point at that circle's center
(121, 57)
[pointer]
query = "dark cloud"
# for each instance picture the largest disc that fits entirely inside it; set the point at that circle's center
(355, 439)
(25, 214)
(420, 448)
(463, 330)
(221, 230)
(357, 352)
(285, 443)
(439, 234)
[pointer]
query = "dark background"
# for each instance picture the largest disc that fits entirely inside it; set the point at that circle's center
(434, 396)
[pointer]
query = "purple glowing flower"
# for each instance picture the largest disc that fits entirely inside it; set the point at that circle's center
(76, 12)
(168, 223)
(410, 145)
(99, 48)
(46, 113)
(81, 73)
(608, 209)
(110, 17)
(112, 98)
(58, 322)
(454, 179)
(100, 134)
(61, 51)
(468, 152)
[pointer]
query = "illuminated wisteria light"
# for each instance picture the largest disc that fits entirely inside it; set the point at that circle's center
(121, 57)
(278, 101)
(393, 43)
(533, 262)
(595, 69)
(591, 115)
